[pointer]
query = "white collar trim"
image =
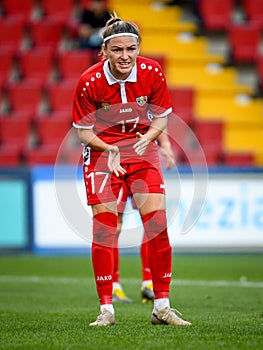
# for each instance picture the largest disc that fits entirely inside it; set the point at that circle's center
(112, 80)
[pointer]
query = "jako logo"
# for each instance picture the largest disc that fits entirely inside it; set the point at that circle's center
(104, 278)
(125, 110)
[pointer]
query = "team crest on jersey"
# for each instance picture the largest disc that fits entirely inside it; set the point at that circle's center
(141, 100)
(105, 105)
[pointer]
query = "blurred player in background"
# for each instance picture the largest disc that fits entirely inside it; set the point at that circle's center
(147, 294)
(120, 108)
(92, 21)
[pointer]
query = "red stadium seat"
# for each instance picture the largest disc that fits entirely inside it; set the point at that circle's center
(12, 31)
(85, 3)
(15, 131)
(72, 64)
(14, 7)
(244, 40)
(55, 134)
(205, 156)
(37, 63)
(74, 155)
(2, 84)
(60, 95)
(47, 33)
(209, 134)
(61, 10)
(239, 159)
(209, 151)
(10, 155)
(7, 55)
(177, 129)
(179, 135)
(19, 115)
(59, 115)
(44, 154)
(52, 130)
(182, 102)
(254, 11)
(216, 14)
(25, 95)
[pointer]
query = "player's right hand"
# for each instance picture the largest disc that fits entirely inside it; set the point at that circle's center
(141, 145)
(114, 161)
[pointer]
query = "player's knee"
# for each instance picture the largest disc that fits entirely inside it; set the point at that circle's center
(105, 229)
(155, 223)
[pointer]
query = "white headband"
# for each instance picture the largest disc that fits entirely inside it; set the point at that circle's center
(120, 34)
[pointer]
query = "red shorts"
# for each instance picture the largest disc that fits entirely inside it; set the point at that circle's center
(103, 186)
(123, 197)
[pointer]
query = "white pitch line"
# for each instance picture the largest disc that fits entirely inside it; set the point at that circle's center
(41, 279)
(72, 280)
(200, 283)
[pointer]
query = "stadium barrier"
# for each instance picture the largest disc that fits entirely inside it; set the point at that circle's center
(43, 210)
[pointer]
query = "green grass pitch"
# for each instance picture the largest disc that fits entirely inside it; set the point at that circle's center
(47, 303)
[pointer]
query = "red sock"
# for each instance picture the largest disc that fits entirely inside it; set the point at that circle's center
(104, 239)
(146, 271)
(159, 252)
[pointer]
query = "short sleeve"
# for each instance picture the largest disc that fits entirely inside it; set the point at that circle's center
(84, 107)
(160, 99)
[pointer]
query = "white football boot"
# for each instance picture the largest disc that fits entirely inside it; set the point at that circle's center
(167, 316)
(105, 318)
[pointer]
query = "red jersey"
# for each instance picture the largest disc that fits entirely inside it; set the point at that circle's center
(117, 109)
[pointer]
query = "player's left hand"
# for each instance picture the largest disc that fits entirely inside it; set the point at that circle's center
(114, 161)
(141, 145)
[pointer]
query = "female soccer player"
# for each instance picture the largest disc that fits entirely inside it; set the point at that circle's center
(120, 108)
